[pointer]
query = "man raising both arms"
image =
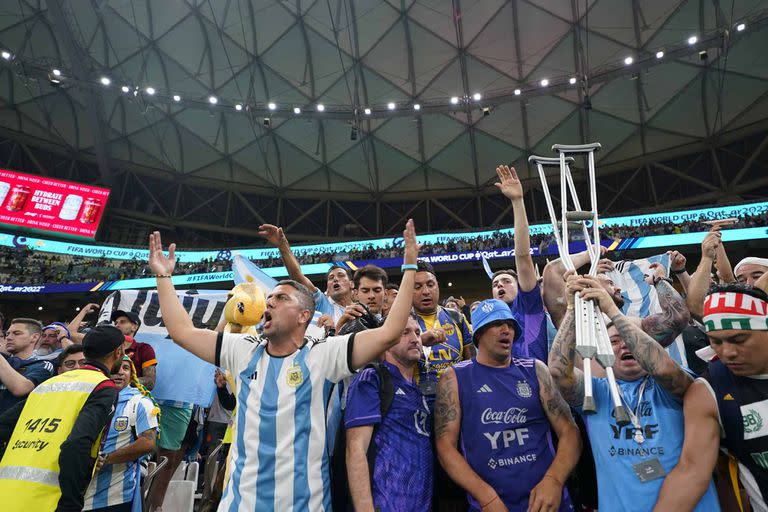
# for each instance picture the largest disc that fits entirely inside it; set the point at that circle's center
(279, 455)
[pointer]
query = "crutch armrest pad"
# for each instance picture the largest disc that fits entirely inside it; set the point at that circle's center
(577, 148)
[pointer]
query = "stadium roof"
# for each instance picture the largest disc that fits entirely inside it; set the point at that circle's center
(352, 55)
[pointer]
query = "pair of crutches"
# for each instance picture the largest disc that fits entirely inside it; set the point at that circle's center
(592, 341)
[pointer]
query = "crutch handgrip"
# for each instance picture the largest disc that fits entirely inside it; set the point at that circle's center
(551, 161)
(576, 148)
(576, 215)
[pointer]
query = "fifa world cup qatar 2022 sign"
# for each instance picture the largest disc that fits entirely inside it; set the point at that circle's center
(46, 204)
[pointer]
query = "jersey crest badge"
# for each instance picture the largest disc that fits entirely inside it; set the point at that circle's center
(294, 377)
(523, 389)
(121, 423)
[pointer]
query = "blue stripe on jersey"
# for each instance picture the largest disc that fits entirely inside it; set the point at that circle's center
(242, 402)
(302, 419)
(104, 478)
(643, 287)
(327, 505)
(265, 480)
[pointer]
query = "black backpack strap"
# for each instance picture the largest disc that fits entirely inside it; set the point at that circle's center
(386, 389)
(728, 406)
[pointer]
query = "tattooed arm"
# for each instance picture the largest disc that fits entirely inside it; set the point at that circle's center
(547, 493)
(447, 426)
(569, 380)
(664, 327)
(647, 352)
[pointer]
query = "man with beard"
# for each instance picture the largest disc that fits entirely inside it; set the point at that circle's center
(520, 290)
(52, 439)
(728, 405)
(338, 292)
(630, 460)
(389, 453)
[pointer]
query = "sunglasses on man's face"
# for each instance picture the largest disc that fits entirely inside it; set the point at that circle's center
(73, 363)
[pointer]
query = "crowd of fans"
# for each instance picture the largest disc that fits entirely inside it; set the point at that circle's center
(24, 266)
(376, 396)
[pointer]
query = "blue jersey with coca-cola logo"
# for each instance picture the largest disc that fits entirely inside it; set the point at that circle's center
(505, 433)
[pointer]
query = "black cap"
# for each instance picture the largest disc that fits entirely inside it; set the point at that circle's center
(101, 340)
(130, 315)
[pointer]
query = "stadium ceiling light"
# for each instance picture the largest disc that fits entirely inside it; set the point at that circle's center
(39, 308)
(320, 107)
(572, 80)
(239, 107)
(367, 111)
(176, 98)
(271, 106)
(454, 100)
(693, 40)
(56, 72)
(296, 110)
(660, 54)
(544, 82)
(6, 55)
(213, 100)
(391, 106)
(628, 60)
(740, 27)
(150, 91)
(416, 106)
(518, 92)
(125, 88)
(105, 81)
(477, 96)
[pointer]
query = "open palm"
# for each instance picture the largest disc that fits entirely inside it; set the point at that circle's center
(509, 183)
(159, 263)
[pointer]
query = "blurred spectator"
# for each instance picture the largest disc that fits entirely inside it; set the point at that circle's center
(71, 358)
(749, 270)
(3, 350)
(21, 371)
(389, 298)
(142, 354)
(54, 338)
(131, 435)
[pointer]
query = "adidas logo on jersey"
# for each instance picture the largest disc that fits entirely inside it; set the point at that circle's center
(399, 392)
(485, 389)
(728, 397)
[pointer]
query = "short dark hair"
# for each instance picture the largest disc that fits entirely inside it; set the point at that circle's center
(306, 299)
(423, 266)
(392, 286)
(344, 268)
(373, 273)
(33, 326)
(505, 271)
(72, 349)
(739, 288)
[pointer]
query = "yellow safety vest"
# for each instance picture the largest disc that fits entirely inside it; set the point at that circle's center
(29, 471)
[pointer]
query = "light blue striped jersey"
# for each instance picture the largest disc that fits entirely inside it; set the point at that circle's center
(118, 483)
(279, 455)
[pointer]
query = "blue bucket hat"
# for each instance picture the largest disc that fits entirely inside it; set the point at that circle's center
(489, 311)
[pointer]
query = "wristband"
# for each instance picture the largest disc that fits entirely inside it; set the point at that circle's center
(408, 266)
(161, 276)
(677, 272)
(657, 280)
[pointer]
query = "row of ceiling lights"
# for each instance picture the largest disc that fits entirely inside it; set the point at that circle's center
(55, 77)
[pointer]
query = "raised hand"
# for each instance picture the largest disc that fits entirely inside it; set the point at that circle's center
(159, 264)
(273, 234)
(657, 271)
(593, 290)
(711, 242)
(411, 251)
(676, 261)
(509, 183)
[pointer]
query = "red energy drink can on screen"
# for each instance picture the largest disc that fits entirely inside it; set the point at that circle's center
(19, 196)
(91, 209)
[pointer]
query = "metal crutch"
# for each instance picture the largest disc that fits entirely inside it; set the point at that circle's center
(586, 345)
(594, 323)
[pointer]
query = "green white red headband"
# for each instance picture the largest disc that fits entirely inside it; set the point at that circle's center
(735, 310)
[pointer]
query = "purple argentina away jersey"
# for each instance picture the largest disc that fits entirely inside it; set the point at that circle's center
(402, 476)
(528, 310)
(505, 434)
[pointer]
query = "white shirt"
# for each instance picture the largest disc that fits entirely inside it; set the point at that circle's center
(279, 456)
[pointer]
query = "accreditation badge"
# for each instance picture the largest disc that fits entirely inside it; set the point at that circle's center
(294, 376)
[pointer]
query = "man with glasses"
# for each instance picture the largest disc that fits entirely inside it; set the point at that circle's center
(71, 358)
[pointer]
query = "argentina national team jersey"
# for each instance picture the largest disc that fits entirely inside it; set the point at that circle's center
(118, 483)
(279, 459)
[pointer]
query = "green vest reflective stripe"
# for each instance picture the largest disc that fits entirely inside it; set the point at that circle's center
(29, 470)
